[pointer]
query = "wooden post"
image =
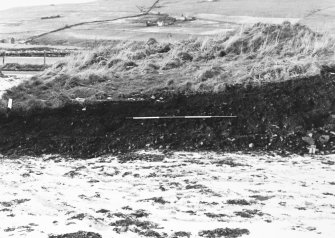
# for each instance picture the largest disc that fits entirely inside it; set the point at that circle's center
(44, 58)
(10, 104)
(3, 57)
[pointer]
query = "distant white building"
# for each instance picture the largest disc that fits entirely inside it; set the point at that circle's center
(161, 23)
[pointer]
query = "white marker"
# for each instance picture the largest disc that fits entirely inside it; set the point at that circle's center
(312, 149)
(10, 103)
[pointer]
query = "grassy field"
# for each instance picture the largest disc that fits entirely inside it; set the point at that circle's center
(30, 60)
(213, 17)
(250, 55)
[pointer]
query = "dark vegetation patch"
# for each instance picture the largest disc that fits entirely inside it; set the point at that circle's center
(155, 199)
(130, 157)
(209, 203)
(194, 161)
(118, 214)
(140, 213)
(9, 229)
(261, 198)
(79, 216)
(93, 181)
(181, 234)
(328, 194)
(126, 173)
(130, 221)
(202, 188)
(301, 208)
(195, 186)
(215, 215)
(79, 234)
(152, 233)
(329, 162)
(224, 232)
(72, 174)
(190, 212)
(229, 162)
(135, 214)
(135, 225)
(242, 202)
(209, 191)
(103, 211)
(14, 202)
(246, 213)
(27, 228)
(5, 210)
(127, 208)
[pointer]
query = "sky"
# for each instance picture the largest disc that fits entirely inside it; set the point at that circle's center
(6, 4)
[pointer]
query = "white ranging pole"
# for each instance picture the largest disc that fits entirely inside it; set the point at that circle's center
(179, 117)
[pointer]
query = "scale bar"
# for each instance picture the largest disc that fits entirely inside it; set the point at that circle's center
(179, 117)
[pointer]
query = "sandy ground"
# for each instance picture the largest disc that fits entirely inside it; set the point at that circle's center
(149, 194)
(12, 79)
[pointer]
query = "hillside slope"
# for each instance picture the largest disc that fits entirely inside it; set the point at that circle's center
(25, 22)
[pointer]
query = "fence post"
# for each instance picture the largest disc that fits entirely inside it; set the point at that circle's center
(44, 58)
(3, 57)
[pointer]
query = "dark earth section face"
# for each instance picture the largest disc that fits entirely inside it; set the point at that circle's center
(269, 117)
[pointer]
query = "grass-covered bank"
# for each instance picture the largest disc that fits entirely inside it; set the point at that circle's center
(256, 55)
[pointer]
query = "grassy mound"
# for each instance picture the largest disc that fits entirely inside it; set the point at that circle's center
(255, 55)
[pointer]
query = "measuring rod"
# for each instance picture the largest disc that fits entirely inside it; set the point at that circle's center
(179, 117)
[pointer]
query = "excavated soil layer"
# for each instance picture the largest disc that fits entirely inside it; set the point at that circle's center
(269, 117)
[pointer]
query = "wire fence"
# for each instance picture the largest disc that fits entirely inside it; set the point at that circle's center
(32, 60)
